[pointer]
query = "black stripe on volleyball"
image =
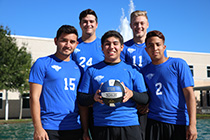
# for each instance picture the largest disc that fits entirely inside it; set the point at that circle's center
(112, 91)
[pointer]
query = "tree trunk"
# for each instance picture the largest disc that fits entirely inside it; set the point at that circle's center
(21, 107)
(6, 106)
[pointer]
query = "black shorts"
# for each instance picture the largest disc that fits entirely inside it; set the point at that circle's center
(157, 130)
(65, 134)
(143, 123)
(90, 122)
(117, 133)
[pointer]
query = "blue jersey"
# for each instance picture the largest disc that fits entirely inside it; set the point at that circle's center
(59, 80)
(165, 85)
(87, 54)
(135, 54)
(123, 114)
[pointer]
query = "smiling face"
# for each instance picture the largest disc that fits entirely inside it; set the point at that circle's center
(139, 25)
(66, 44)
(88, 24)
(155, 48)
(112, 49)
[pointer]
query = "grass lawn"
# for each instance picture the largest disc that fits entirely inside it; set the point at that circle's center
(203, 116)
(2, 121)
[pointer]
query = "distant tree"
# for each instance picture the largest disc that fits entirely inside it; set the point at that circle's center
(15, 64)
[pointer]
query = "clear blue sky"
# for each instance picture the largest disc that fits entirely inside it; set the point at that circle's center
(185, 23)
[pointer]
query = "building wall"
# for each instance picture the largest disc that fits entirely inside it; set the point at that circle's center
(39, 47)
(14, 110)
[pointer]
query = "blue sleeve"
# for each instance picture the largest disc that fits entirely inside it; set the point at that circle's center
(123, 53)
(85, 86)
(185, 75)
(139, 84)
(37, 72)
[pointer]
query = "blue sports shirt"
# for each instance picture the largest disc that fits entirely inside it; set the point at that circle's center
(135, 54)
(87, 54)
(124, 114)
(59, 80)
(165, 87)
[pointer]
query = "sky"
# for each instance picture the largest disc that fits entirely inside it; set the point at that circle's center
(185, 23)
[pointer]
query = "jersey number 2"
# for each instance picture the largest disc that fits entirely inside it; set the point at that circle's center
(159, 87)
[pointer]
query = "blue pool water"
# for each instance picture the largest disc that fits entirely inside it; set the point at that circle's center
(24, 131)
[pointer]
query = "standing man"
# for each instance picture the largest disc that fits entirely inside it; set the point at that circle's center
(119, 122)
(53, 90)
(134, 50)
(172, 107)
(134, 53)
(88, 51)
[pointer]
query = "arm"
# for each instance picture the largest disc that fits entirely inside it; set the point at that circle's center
(191, 133)
(85, 99)
(142, 100)
(84, 121)
(35, 92)
(139, 98)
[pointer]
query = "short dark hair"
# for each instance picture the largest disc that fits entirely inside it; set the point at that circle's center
(112, 33)
(87, 12)
(155, 33)
(68, 29)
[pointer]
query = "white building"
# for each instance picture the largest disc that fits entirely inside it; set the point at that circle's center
(199, 64)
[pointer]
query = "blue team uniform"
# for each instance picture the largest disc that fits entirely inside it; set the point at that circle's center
(87, 54)
(124, 114)
(165, 83)
(135, 54)
(59, 80)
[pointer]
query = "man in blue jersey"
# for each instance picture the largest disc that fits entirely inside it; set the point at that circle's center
(53, 89)
(134, 49)
(119, 122)
(88, 51)
(172, 106)
(134, 53)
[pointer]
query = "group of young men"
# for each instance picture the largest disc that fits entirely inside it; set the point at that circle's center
(65, 95)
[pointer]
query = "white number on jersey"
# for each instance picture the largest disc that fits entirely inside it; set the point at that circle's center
(71, 83)
(140, 61)
(159, 87)
(83, 62)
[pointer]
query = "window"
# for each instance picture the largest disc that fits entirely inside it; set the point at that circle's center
(26, 100)
(191, 69)
(208, 71)
(1, 100)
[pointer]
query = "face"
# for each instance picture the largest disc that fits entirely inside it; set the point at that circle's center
(112, 49)
(155, 48)
(66, 44)
(88, 24)
(139, 26)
